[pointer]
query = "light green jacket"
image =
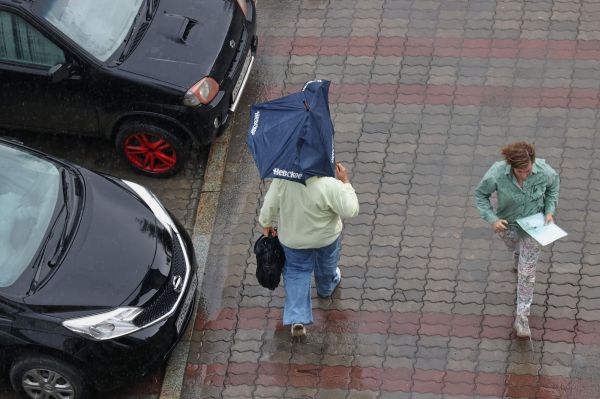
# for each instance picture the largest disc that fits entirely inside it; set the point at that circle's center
(308, 216)
(538, 194)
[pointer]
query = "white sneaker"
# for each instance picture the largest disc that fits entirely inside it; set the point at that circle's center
(338, 275)
(521, 326)
(337, 279)
(298, 330)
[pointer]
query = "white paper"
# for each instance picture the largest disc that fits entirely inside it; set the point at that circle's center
(542, 233)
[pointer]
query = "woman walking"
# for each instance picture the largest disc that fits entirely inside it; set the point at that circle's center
(524, 186)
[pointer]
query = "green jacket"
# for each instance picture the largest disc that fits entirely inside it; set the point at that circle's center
(538, 194)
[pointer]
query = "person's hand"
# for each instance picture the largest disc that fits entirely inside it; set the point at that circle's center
(549, 219)
(341, 173)
(499, 225)
(269, 230)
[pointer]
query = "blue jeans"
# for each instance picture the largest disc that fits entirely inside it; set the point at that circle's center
(299, 265)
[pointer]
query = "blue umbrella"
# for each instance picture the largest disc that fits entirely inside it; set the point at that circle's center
(292, 137)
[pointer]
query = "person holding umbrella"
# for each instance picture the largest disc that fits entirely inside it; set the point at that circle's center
(291, 140)
(310, 224)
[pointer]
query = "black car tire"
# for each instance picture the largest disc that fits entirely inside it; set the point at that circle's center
(152, 150)
(38, 368)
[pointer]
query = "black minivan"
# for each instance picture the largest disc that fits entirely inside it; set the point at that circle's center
(97, 280)
(154, 76)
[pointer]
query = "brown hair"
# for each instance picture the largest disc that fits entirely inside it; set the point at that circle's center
(518, 154)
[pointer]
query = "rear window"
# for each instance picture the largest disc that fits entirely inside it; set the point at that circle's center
(29, 188)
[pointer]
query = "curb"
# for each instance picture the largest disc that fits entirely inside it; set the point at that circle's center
(201, 236)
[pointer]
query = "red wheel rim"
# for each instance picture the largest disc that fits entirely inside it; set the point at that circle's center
(150, 152)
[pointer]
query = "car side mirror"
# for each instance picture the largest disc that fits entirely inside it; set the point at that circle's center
(58, 72)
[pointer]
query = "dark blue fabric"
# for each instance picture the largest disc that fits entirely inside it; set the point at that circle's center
(292, 137)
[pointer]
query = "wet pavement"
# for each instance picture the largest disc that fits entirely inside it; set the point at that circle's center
(424, 94)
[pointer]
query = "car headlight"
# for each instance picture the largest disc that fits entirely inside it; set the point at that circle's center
(113, 324)
(202, 92)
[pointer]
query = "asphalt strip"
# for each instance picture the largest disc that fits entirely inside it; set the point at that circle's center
(201, 236)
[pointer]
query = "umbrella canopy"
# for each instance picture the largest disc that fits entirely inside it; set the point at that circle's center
(292, 137)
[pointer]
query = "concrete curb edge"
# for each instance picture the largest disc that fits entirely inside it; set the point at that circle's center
(201, 237)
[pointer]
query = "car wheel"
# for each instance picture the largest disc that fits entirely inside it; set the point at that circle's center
(40, 376)
(152, 150)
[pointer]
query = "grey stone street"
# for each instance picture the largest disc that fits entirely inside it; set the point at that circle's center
(424, 93)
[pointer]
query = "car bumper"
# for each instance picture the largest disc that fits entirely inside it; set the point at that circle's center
(112, 363)
(202, 123)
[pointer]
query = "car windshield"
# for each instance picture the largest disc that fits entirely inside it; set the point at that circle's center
(98, 26)
(29, 188)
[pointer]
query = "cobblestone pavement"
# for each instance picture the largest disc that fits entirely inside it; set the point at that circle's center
(424, 93)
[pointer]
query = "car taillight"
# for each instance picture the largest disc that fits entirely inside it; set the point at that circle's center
(244, 7)
(201, 93)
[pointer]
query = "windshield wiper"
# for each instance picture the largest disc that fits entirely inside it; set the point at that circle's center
(127, 40)
(131, 42)
(62, 240)
(63, 235)
(150, 9)
(36, 278)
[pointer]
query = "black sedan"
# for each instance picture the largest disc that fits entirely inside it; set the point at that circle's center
(154, 76)
(97, 280)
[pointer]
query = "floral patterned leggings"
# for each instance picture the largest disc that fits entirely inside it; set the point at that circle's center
(529, 252)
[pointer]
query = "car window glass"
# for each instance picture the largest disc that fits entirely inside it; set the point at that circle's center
(22, 43)
(29, 188)
(98, 26)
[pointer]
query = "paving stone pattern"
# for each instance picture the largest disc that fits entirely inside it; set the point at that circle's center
(424, 93)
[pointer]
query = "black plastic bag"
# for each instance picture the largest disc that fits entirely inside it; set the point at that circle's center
(269, 261)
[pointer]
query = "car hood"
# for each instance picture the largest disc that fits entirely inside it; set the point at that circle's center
(184, 41)
(116, 255)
